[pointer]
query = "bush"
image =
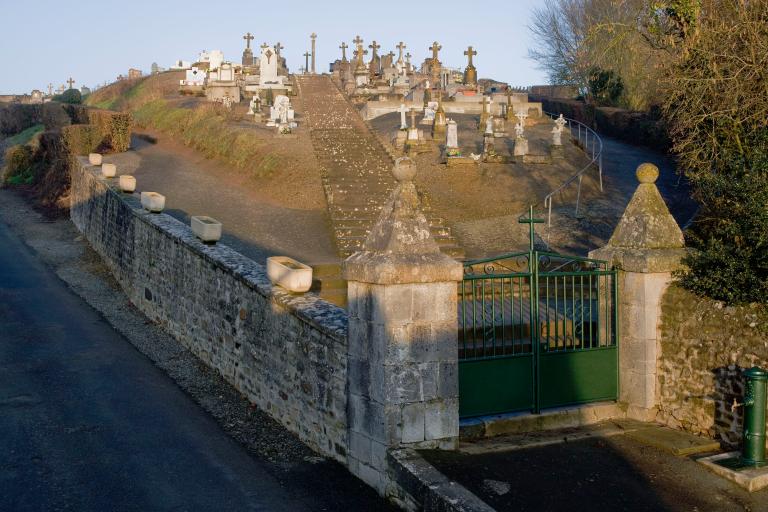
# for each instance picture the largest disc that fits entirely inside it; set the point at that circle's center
(717, 111)
(113, 129)
(18, 165)
(71, 96)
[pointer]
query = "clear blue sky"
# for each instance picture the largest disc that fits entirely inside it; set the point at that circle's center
(93, 41)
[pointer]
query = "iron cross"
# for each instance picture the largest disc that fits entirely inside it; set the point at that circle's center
(248, 38)
(471, 52)
(70, 82)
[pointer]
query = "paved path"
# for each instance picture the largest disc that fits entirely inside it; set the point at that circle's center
(253, 226)
(595, 474)
(89, 424)
(357, 170)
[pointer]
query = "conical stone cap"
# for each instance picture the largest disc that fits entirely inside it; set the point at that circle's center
(400, 248)
(647, 238)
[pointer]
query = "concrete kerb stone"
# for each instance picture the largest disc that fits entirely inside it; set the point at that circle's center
(433, 490)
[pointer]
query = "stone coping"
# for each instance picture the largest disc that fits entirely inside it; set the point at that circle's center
(429, 487)
(328, 318)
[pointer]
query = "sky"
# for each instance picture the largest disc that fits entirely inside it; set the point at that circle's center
(95, 41)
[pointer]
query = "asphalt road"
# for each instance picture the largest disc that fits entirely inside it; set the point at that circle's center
(87, 423)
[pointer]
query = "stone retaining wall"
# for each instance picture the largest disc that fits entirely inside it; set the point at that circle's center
(286, 353)
(705, 346)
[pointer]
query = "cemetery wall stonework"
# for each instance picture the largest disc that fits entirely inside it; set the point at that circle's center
(286, 353)
(705, 346)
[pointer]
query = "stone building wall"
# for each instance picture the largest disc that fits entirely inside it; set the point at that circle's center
(704, 347)
(286, 353)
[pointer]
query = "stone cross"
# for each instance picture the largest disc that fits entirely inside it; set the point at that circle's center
(278, 47)
(359, 52)
(374, 47)
(248, 38)
(435, 48)
(400, 48)
(70, 82)
(470, 53)
(313, 36)
(403, 123)
(343, 51)
(561, 122)
(306, 61)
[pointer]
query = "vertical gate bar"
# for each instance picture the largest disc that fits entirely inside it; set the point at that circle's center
(582, 338)
(565, 312)
(501, 299)
(482, 315)
(522, 315)
(474, 318)
(534, 328)
(598, 321)
(546, 306)
(615, 278)
(573, 312)
(591, 314)
(557, 316)
(493, 314)
(462, 310)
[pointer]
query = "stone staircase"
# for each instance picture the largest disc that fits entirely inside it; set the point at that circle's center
(357, 167)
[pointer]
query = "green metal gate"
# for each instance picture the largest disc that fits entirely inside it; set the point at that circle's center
(536, 330)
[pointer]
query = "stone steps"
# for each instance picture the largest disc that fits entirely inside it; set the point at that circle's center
(357, 167)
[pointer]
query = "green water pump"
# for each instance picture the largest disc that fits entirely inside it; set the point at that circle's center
(753, 451)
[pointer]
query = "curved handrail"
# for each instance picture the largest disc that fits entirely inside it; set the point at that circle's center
(584, 135)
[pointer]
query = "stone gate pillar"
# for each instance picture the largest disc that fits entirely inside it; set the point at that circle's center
(646, 246)
(403, 385)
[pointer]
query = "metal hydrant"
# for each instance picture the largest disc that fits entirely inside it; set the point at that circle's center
(753, 451)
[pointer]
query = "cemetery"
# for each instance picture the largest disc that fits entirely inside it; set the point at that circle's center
(428, 277)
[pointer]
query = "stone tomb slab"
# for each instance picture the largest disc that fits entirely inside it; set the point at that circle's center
(677, 443)
(727, 466)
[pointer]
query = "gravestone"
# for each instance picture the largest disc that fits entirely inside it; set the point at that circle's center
(268, 66)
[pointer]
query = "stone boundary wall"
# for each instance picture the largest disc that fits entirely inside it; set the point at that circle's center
(633, 127)
(705, 346)
(286, 353)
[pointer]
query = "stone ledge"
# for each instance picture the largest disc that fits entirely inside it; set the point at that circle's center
(432, 490)
(751, 479)
(328, 318)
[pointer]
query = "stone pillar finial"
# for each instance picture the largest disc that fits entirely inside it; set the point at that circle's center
(403, 343)
(646, 246)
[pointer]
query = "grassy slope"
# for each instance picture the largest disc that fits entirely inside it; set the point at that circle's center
(25, 136)
(205, 127)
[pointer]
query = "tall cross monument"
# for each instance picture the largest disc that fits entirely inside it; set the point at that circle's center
(435, 66)
(375, 64)
(70, 82)
(470, 73)
(306, 61)
(313, 37)
(359, 53)
(247, 59)
(343, 48)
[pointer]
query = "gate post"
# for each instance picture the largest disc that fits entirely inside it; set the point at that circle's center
(402, 371)
(646, 246)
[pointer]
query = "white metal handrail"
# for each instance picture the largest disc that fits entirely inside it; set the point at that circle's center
(590, 143)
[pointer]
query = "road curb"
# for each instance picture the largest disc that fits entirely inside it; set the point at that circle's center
(431, 489)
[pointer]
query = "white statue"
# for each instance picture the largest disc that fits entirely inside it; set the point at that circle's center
(489, 125)
(557, 136)
(403, 122)
(560, 123)
(519, 130)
